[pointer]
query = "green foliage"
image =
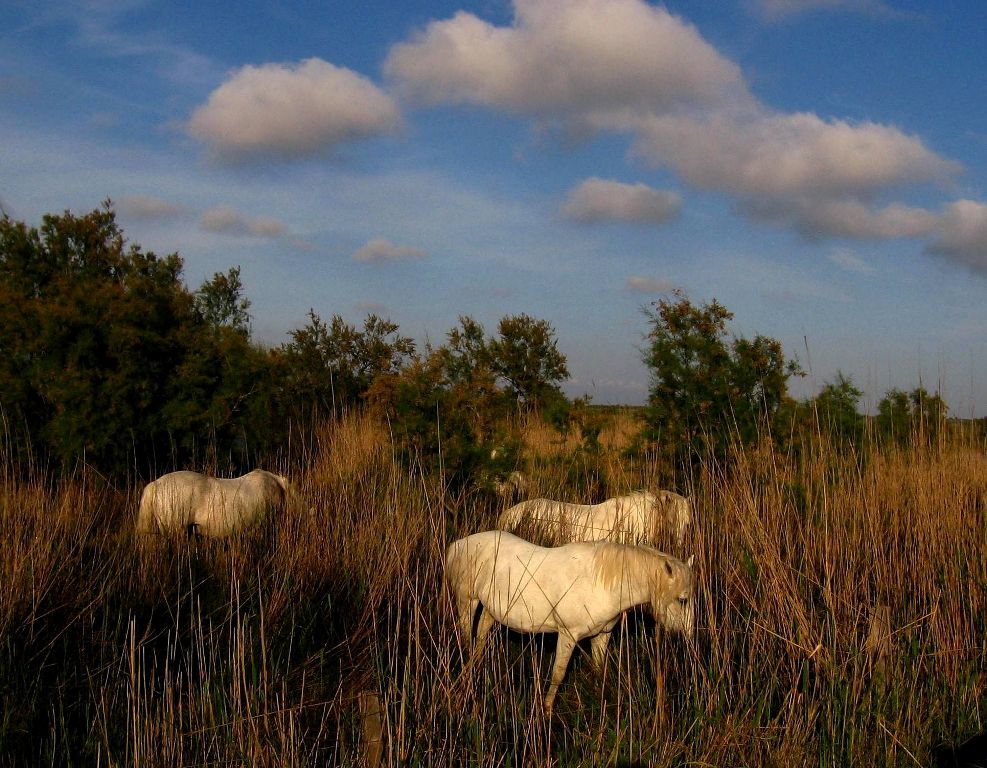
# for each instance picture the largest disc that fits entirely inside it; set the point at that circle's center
(447, 408)
(707, 388)
(465, 363)
(221, 302)
(328, 367)
(556, 410)
(430, 419)
(107, 356)
(836, 409)
(893, 421)
(914, 417)
(525, 354)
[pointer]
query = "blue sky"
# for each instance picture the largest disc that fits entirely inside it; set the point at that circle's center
(818, 166)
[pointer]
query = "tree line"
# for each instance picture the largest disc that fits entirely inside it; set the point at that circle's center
(107, 357)
(710, 390)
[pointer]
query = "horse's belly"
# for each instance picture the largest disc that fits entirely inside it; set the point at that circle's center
(525, 621)
(522, 615)
(568, 613)
(225, 519)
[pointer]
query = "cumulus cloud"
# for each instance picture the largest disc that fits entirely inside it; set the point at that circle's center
(566, 57)
(820, 176)
(380, 250)
(226, 220)
(961, 234)
(817, 218)
(851, 218)
(598, 200)
(148, 207)
(629, 67)
(640, 284)
(292, 110)
(764, 154)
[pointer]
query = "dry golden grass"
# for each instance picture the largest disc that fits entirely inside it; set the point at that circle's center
(256, 651)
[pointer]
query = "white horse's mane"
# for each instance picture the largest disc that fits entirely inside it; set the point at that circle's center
(614, 561)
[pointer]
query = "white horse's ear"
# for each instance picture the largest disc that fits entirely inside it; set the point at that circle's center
(691, 560)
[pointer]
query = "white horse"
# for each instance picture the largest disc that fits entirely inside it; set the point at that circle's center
(631, 519)
(212, 505)
(578, 590)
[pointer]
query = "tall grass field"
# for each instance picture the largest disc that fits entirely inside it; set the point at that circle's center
(840, 596)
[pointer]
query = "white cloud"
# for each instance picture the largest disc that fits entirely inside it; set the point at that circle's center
(640, 284)
(598, 200)
(629, 67)
(846, 217)
(577, 56)
(849, 218)
(764, 154)
(148, 207)
(962, 234)
(290, 110)
(819, 176)
(226, 220)
(266, 226)
(848, 260)
(381, 250)
(782, 9)
(222, 218)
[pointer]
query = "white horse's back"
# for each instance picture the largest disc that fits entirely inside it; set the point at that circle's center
(214, 506)
(632, 519)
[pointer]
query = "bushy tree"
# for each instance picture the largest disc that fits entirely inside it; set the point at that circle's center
(106, 355)
(893, 421)
(707, 387)
(221, 303)
(526, 356)
(331, 366)
(466, 356)
(910, 417)
(836, 409)
(465, 364)
(431, 419)
(448, 407)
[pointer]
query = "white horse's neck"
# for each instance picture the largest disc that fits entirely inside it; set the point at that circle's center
(628, 572)
(635, 591)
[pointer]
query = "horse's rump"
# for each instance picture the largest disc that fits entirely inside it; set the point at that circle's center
(214, 506)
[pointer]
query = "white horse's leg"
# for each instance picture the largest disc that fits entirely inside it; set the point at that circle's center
(563, 652)
(465, 611)
(483, 628)
(599, 647)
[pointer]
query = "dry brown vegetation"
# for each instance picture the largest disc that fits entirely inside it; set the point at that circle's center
(841, 620)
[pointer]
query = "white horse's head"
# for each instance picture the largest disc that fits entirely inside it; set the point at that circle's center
(674, 512)
(673, 596)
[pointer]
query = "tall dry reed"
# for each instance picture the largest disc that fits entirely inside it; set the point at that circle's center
(166, 651)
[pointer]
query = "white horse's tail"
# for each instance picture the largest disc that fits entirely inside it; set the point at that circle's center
(293, 502)
(511, 517)
(681, 517)
(146, 521)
